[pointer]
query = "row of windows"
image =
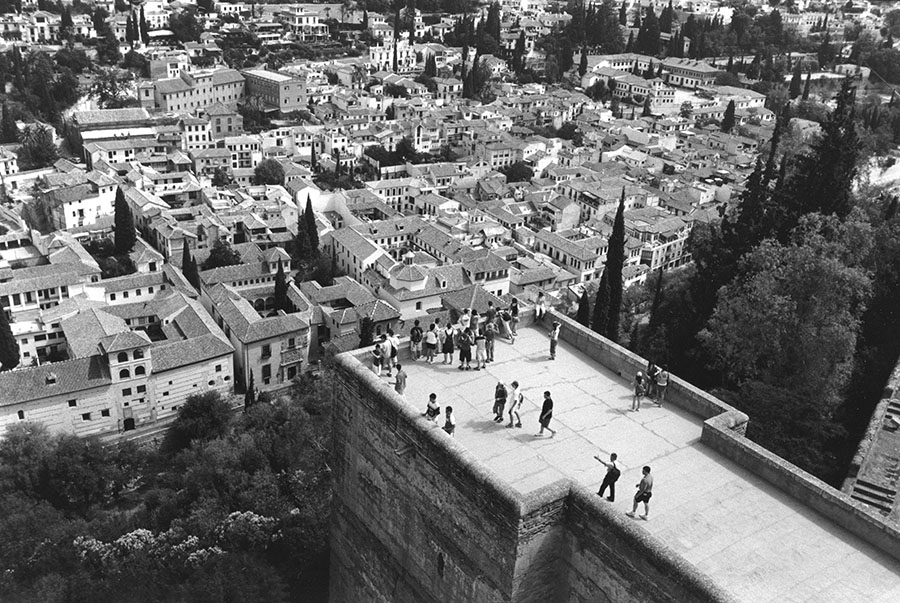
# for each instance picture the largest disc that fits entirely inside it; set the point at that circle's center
(112, 296)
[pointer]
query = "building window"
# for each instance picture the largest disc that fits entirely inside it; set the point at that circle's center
(124, 374)
(73, 403)
(126, 391)
(86, 416)
(21, 415)
(141, 389)
(104, 412)
(218, 368)
(266, 350)
(418, 305)
(266, 373)
(122, 357)
(140, 370)
(138, 354)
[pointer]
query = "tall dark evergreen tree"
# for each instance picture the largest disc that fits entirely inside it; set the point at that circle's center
(281, 289)
(9, 346)
(131, 31)
(125, 236)
(623, 14)
(629, 45)
(190, 271)
(366, 332)
(312, 233)
(583, 63)
(8, 129)
(666, 18)
(250, 394)
(648, 37)
(518, 57)
(646, 111)
(823, 178)
(796, 82)
(600, 314)
(143, 29)
(615, 264)
(411, 15)
(584, 309)
(302, 250)
(365, 20)
(313, 160)
(728, 119)
(805, 95)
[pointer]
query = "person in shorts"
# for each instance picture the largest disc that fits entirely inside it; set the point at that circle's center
(480, 356)
(465, 342)
(400, 380)
(431, 341)
(515, 405)
(645, 491)
(450, 422)
(639, 389)
(490, 332)
(377, 359)
(514, 316)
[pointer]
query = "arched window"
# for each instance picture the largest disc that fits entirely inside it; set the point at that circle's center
(140, 370)
(139, 353)
(124, 374)
(122, 357)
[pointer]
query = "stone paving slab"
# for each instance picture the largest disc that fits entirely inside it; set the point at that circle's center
(755, 540)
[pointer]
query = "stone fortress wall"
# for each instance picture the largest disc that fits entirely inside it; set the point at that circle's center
(417, 518)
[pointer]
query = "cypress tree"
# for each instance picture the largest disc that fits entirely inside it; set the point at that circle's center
(623, 15)
(312, 233)
(185, 258)
(796, 82)
(584, 309)
(728, 119)
(143, 30)
(629, 46)
(365, 20)
(8, 129)
(281, 289)
(805, 95)
(301, 248)
(615, 263)
(411, 13)
(131, 32)
(125, 237)
(824, 177)
(646, 112)
(250, 394)
(9, 346)
(189, 269)
(313, 161)
(600, 318)
(583, 63)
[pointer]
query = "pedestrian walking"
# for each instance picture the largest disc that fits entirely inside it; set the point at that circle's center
(499, 401)
(652, 372)
(450, 421)
(662, 384)
(377, 358)
(514, 316)
(480, 357)
(540, 308)
(448, 335)
(546, 415)
(433, 409)
(400, 380)
(554, 339)
(415, 340)
(515, 405)
(612, 476)
(645, 491)
(639, 385)
(465, 342)
(431, 341)
(490, 332)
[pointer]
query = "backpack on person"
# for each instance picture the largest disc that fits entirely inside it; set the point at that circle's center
(415, 335)
(614, 473)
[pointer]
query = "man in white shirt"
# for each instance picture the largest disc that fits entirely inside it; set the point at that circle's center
(515, 404)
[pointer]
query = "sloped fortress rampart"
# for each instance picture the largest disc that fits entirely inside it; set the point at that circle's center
(417, 517)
